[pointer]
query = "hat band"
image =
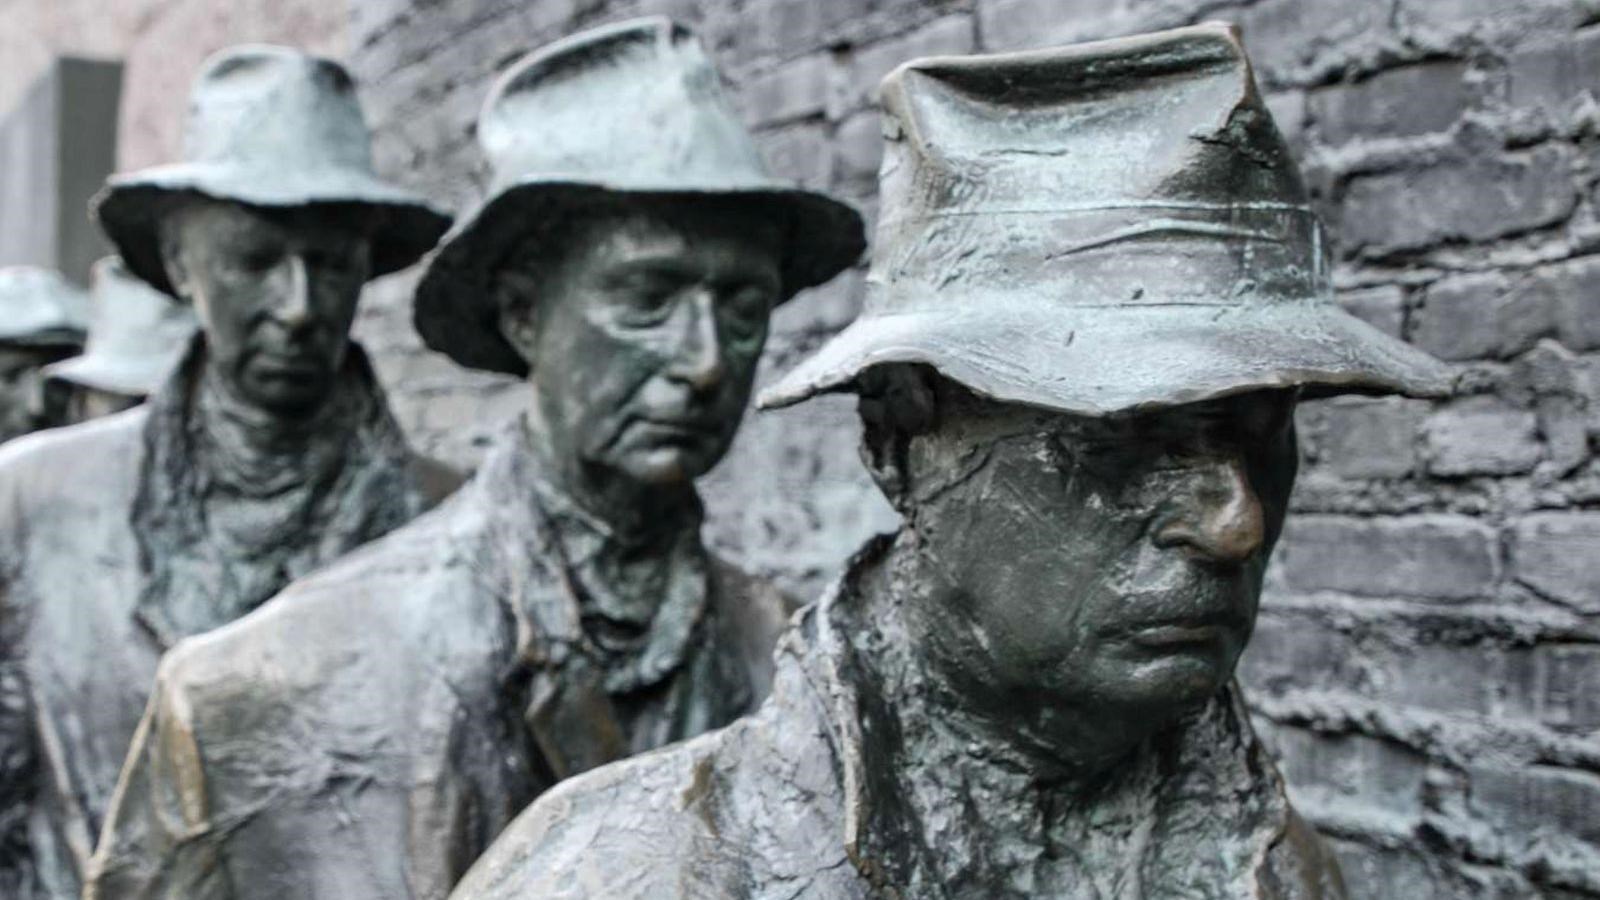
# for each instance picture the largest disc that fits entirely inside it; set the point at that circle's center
(1122, 256)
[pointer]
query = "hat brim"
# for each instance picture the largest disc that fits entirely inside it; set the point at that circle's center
(127, 377)
(129, 207)
(1098, 361)
(455, 311)
(49, 338)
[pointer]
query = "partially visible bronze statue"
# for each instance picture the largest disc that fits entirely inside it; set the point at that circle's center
(268, 452)
(135, 336)
(42, 320)
(1098, 295)
(369, 732)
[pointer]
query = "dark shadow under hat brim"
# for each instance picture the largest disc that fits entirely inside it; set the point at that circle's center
(456, 312)
(130, 207)
(1098, 361)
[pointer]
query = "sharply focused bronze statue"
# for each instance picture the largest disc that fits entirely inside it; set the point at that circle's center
(135, 336)
(268, 452)
(368, 732)
(1098, 294)
(42, 320)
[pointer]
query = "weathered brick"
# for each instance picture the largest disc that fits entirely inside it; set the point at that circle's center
(1414, 873)
(859, 142)
(1382, 307)
(1349, 772)
(800, 153)
(1486, 315)
(1481, 436)
(1575, 285)
(1555, 554)
(1294, 42)
(1358, 437)
(855, 82)
(792, 90)
(1439, 556)
(1567, 697)
(1551, 78)
(1289, 112)
(1470, 199)
(1461, 24)
(1402, 102)
(1540, 808)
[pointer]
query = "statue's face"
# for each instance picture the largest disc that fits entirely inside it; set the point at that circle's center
(643, 338)
(1099, 574)
(22, 401)
(275, 293)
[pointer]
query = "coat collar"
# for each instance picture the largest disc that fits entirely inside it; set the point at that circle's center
(1210, 783)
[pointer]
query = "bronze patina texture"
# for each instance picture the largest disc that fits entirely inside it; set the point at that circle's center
(268, 452)
(371, 730)
(135, 336)
(42, 320)
(1098, 295)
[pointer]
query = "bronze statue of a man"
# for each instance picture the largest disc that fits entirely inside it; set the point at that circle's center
(135, 336)
(269, 451)
(42, 321)
(370, 731)
(1098, 293)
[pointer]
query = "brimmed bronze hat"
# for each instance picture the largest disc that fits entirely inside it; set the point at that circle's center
(41, 308)
(1098, 229)
(633, 108)
(135, 335)
(269, 127)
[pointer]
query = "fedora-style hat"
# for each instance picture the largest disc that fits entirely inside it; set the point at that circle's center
(1098, 229)
(135, 335)
(269, 127)
(631, 109)
(41, 308)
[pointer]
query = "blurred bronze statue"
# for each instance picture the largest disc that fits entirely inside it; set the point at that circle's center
(1098, 294)
(43, 317)
(369, 731)
(268, 451)
(135, 336)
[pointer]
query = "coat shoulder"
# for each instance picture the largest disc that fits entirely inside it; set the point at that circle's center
(76, 458)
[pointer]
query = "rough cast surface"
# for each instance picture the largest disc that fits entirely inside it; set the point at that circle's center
(372, 729)
(87, 615)
(1426, 660)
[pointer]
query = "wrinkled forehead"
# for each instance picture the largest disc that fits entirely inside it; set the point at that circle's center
(640, 229)
(978, 419)
(198, 218)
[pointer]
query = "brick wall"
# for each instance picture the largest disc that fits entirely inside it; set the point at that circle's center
(161, 42)
(1428, 661)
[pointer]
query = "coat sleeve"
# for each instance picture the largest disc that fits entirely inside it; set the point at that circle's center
(158, 842)
(18, 746)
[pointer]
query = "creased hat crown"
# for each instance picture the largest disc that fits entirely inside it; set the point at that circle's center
(262, 105)
(1099, 228)
(269, 127)
(636, 103)
(617, 114)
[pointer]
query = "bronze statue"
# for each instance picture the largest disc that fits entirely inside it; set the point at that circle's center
(370, 731)
(1098, 294)
(42, 321)
(269, 451)
(135, 335)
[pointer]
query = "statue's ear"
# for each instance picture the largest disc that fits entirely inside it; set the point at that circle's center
(896, 403)
(515, 294)
(169, 236)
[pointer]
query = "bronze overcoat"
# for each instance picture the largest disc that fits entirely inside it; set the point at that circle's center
(367, 733)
